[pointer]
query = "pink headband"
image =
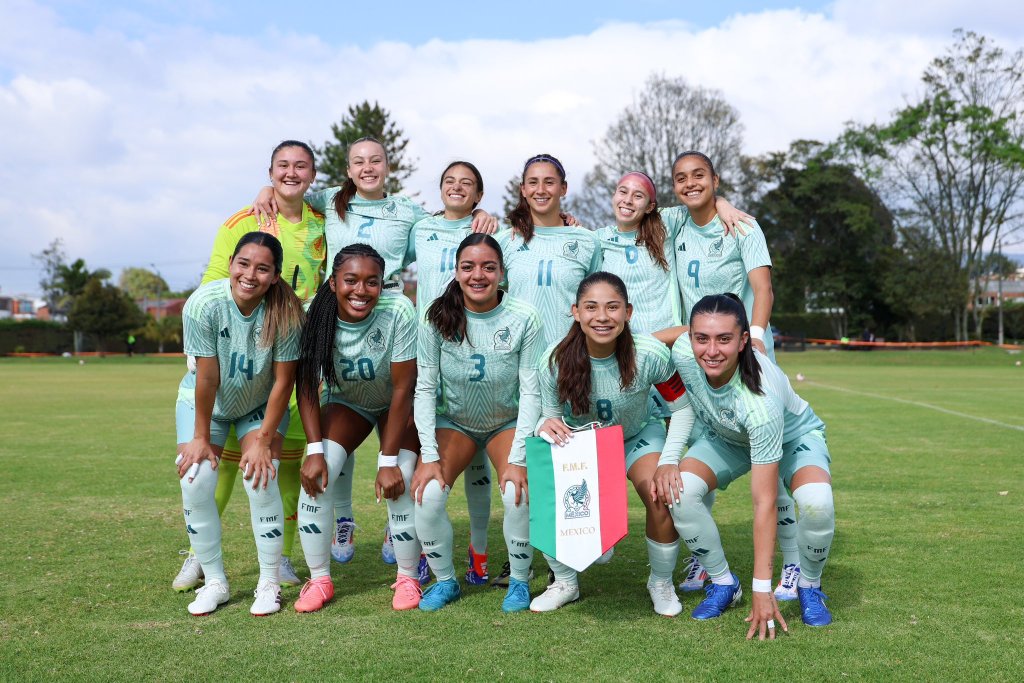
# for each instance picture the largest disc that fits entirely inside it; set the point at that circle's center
(644, 180)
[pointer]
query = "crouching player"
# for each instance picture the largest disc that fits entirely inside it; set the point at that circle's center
(244, 334)
(753, 421)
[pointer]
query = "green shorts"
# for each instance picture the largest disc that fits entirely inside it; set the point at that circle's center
(730, 462)
(650, 439)
(480, 438)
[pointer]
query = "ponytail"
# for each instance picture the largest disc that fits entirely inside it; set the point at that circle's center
(316, 348)
(348, 188)
(283, 313)
(730, 304)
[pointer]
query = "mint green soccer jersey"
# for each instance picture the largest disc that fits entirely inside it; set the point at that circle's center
(760, 423)
(610, 404)
(384, 224)
(486, 381)
(364, 352)
(652, 289)
(214, 327)
(435, 241)
(546, 271)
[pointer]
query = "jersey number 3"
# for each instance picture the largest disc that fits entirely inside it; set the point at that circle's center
(478, 368)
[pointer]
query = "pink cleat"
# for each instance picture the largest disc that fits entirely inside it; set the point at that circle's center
(407, 593)
(315, 594)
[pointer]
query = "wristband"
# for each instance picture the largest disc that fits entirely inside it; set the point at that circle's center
(757, 332)
(315, 448)
(761, 585)
(386, 460)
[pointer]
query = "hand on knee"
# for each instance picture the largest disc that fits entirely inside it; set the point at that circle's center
(202, 486)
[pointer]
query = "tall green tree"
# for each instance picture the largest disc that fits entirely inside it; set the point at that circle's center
(103, 310)
(364, 120)
(141, 283)
(952, 163)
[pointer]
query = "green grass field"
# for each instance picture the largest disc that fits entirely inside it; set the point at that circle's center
(925, 576)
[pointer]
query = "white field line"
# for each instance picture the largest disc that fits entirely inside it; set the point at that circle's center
(919, 404)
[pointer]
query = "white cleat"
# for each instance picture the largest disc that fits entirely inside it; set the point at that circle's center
(286, 573)
(786, 590)
(191, 574)
(209, 598)
(268, 598)
(606, 556)
(558, 594)
(663, 595)
(696, 576)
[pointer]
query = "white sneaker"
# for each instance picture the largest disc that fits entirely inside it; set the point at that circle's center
(663, 595)
(696, 575)
(606, 557)
(558, 594)
(343, 547)
(786, 590)
(209, 597)
(191, 573)
(268, 598)
(286, 573)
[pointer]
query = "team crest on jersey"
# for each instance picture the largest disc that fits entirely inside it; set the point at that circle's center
(257, 330)
(716, 248)
(577, 501)
(727, 416)
(503, 340)
(376, 340)
(390, 209)
(571, 249)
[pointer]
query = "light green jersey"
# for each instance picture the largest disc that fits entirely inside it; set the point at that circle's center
(761, 423)
(546, 271)
(215, 328)
(610, 404)
(364, 352)
(384, 224)
(486, 380)
(652, 289)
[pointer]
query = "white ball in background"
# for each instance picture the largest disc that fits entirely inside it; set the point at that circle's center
(799, 377)
(81, 362)
(1017, 364)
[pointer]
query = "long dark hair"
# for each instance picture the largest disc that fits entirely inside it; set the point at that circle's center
(573, 360)
(520, 217)
(472, 169)
(730, 304)
(283, 311)
(316, 348)
(448, 312)
(651, 232)
(348, 189)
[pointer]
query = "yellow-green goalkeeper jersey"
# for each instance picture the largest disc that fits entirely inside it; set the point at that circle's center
(735, 414)
(652, 289)
(384, 224)
(364, 352)
(486, 380)
(215, 328)
(610, 403)
(302, 243)
(546, 271)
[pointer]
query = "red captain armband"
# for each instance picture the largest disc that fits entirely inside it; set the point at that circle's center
(672, 388)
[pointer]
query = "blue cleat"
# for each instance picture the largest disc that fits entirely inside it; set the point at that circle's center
(517, 599)
(387, 548)
(719, 599)
(440, 594)
(424, 570)
(812, 606)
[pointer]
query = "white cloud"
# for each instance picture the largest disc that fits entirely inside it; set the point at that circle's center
(139, 149)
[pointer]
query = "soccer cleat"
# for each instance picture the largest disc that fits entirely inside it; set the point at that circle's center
(517, 598)
(286, 573)
(501, 580)
(343, 547)
(209, 597)
(190, 575)
(423, 570)
(558, 594)
(663, 595)
(477, 575)
(786, 590)
(387, 549)
(696, 576)
(268, 598)
(315, 594)
(407, 593)
(812, 606)
(606, 556)
(440, 594)
(719, 599)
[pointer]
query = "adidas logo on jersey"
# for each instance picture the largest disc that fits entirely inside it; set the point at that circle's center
(525, 247)
(682, 246)
(224, 333)
(433, 237)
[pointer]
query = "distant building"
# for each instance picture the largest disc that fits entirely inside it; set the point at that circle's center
(1013, 292)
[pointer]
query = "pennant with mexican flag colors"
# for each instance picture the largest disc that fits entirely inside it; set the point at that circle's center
(577, 495)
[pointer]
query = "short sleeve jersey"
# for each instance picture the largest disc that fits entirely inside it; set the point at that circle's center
(546, 271)
(610, 404)
(435, 241)
(303, 245)
(215, 328)
(384, 224)
(760, 423)
(364, 352)
(479, 378)
(652, 289)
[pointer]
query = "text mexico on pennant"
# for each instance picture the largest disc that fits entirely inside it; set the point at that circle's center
(577, 495)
